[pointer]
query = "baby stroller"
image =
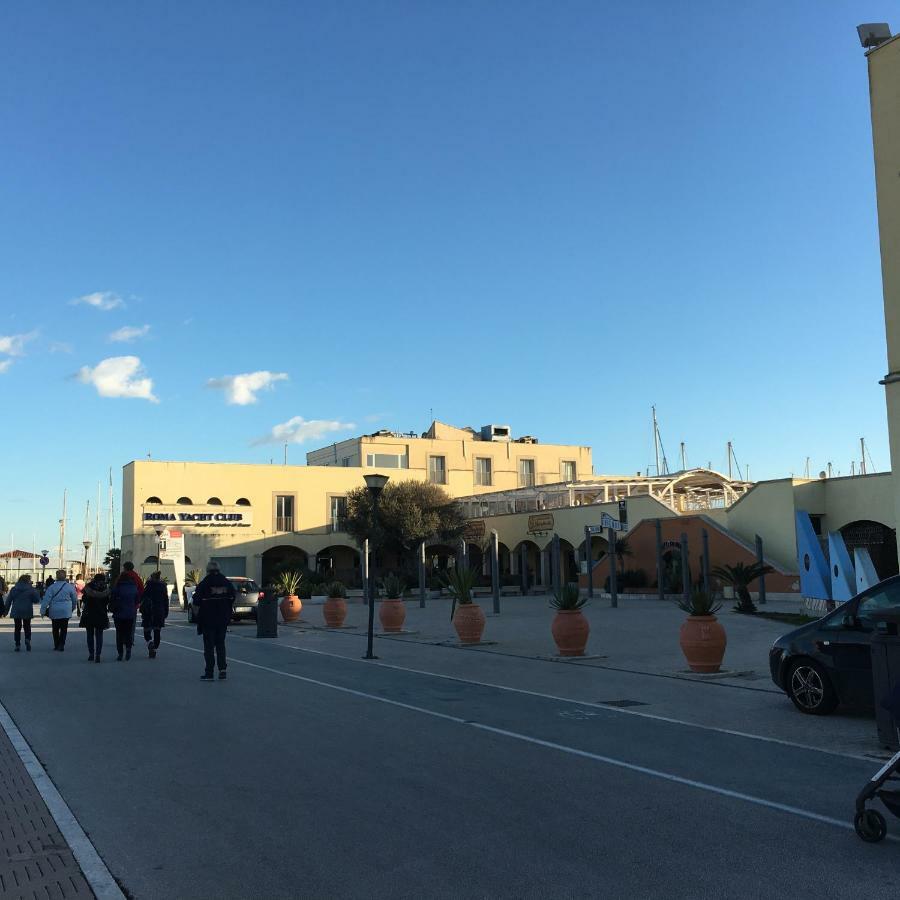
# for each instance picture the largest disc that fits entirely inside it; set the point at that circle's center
(869, 823)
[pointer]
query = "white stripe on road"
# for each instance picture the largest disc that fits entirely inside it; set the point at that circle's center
(612, 709)
(95, 872)
(563, 748)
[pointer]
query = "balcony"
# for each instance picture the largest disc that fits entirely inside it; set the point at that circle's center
(284, 523)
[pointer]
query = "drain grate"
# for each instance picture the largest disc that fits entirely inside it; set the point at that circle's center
(621, 704)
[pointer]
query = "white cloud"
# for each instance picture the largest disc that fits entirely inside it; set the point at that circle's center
(4, 365)
(129, 333)
(105, 300)
(241, 390)
(14, 344)
(119, 376)
(298, 430)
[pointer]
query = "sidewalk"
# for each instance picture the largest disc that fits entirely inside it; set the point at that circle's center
(35, 861)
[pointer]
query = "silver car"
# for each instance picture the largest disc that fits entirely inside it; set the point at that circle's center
(247, 594)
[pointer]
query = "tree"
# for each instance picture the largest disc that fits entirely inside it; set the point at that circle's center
(740, 576)
(622, 550)
(113, 562)
(409, 512)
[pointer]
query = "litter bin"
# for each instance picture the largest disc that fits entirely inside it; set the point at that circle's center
(267, 616)
(886, 676)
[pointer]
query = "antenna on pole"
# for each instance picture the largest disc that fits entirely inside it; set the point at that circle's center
(806, 468)
(655, 440)
(285, 453)
(729, 460)
(683, 458)
(852, 466)
(862, 456)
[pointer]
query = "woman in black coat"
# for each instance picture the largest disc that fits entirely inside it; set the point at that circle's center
(154, 610)
(95, 601)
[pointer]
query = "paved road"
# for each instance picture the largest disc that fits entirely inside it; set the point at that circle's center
(307, 775)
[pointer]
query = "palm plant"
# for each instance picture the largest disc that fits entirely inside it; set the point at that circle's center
(393, 586)
(288, 582)
(336, 591)
(622, 550)
(460, 581)
(567, 597)
(195, 576)
(699, 604)
(740, 576)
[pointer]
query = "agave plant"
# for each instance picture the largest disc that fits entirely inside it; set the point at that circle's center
(288, 582)
(567, 597)
(740, 577)
(336, 590)
(460, 581)
(393, 586)
(699, 604)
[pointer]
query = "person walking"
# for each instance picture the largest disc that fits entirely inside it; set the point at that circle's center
(124, 602)
(79, 592)
(59, 603)
(129, 572)
(154, 611)
(21, 600)
(214, 599)
(95, 602)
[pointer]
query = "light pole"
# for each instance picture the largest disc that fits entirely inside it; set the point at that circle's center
(87, 546)
(375, 484)
(44, 555)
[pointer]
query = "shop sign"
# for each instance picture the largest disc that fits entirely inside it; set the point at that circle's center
(540, 522)
(197, 516)
(474, 530)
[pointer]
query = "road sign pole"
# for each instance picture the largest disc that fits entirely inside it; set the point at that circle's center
(588, 559)
(523, 567)
(422, 585)
(611, 552)
(555, 568)
(685, 567)
(760, 558)
(660, 586)
(705, 568)
(495, 570)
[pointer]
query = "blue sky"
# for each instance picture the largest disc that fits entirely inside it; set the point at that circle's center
(546, 214)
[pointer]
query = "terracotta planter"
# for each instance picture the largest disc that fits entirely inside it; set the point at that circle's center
(392, 615)
(703, 641)
(335, 611)
(570, 631)
(468, 620)
(290, 608)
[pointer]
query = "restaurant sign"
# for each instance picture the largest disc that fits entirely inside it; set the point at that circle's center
(539, 523)
(474, 530)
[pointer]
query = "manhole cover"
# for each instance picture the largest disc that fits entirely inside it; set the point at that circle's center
(622, 704)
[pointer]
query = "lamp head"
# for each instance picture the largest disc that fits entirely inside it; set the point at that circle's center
(375, 483)
(159, 532)
(86, 544)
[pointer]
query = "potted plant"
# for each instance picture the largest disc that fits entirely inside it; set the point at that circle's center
(702, 636)
(739, 577)
(335, 606)
(570, 628)
(288, 584)
(467, 617)
(392, 609)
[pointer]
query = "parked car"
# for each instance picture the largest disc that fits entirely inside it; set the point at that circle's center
(247, 597)
(828, 662)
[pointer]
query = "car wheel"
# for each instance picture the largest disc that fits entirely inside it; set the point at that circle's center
(810, 688)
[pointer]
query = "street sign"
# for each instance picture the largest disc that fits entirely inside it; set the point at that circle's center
(45, 560)
(607, 521)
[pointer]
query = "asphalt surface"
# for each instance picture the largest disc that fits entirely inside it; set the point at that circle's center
(307, 775)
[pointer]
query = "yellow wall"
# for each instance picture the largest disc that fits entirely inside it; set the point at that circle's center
(884, 95)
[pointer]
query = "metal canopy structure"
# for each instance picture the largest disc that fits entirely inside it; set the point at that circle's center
(691, 490)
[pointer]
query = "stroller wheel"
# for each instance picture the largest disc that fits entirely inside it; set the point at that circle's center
(870, 826)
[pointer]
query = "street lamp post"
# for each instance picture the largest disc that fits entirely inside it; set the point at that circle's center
(159, 534)
(84, 571)
(44, 555)
(375, 484)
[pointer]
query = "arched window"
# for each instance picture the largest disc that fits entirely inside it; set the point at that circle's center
(152, 500)
(214, 501)
(184, 501)
(242, 501)
(149, 561)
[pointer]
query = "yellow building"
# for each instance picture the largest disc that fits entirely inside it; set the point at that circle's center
(252, 518)
(462, 460)
(884, 95)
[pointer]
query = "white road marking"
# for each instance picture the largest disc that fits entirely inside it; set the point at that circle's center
(551, 745)
(95, 872)
(613, 709)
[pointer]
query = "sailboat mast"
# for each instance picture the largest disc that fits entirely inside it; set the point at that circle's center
(62, 531)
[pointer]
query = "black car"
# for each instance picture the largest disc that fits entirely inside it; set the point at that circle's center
(828, 661)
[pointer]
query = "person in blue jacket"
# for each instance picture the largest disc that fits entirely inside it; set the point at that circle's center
(154, 611)
(59, 602)
(123, 605)
(214, 600)
(21, 601)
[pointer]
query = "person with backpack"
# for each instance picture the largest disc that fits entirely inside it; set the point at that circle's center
(214, 599)
(59, 603)
(123, 604)
(154, 611)
(94, 605)
(21, 600)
